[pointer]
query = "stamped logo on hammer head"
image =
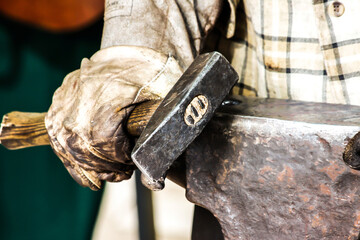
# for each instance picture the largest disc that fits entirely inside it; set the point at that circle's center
(196, 110)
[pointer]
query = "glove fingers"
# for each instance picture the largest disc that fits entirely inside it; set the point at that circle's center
(81, 176)
(115, 176)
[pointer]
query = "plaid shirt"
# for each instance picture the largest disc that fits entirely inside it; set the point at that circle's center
(297, 50)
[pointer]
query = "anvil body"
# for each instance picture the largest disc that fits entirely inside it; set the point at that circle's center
(273, 169)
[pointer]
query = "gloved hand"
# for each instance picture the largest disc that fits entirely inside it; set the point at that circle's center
(86, 121)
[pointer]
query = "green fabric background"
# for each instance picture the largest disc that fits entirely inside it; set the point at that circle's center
(38, 198)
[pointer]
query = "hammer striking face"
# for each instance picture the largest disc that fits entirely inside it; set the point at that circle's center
(182, 115)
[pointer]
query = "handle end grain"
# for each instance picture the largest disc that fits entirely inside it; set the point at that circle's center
(23, 129)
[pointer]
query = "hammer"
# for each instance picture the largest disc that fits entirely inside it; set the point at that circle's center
(165, 128)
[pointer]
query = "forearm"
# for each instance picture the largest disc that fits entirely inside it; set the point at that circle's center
(175, 27)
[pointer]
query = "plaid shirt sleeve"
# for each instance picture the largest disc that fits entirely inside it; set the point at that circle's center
(301, 50)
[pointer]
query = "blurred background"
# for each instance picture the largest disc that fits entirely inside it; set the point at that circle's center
(40, 42)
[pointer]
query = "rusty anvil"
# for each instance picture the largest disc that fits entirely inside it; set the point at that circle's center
(273, 169)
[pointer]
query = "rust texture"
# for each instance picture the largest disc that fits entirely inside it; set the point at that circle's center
(271, 178)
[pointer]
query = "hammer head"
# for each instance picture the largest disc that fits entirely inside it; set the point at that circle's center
(182, 115)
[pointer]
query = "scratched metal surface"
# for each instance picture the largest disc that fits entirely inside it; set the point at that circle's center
(310, 112)
(265, 177)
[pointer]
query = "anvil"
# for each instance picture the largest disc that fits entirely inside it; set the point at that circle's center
(274, 169)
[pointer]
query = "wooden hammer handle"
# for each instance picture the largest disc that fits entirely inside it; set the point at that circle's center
(25, 129)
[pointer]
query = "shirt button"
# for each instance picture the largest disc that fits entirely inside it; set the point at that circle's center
(336, 9)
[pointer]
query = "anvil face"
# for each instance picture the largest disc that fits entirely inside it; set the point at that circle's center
(273, 169)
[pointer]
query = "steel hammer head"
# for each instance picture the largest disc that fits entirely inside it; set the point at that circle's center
(182, 115)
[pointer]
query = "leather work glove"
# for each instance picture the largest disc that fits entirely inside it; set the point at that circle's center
(86, 121)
